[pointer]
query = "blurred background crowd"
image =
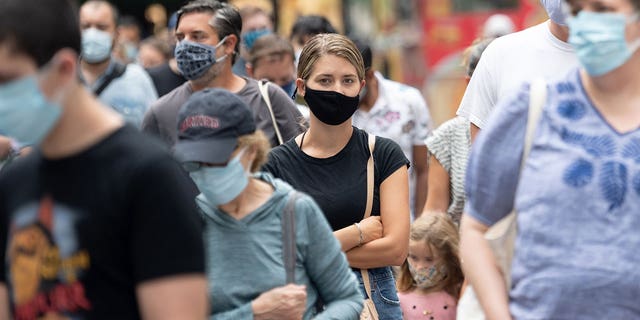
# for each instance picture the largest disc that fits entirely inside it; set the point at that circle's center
(416, 42)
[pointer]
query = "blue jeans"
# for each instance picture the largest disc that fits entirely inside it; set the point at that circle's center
(383, 290)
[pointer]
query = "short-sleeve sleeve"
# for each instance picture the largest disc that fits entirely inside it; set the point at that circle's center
(388, 157)
(166, 230)
(439, 143)
(494, 162)
(481, 94)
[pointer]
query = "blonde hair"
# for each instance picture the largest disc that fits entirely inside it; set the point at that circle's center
(441, 235)
(325, 44)
(257, 140)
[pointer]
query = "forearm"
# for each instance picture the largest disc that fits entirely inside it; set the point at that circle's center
(386, 251)
(482, 272)
(439, 184)
(421, 191)
(349, 237)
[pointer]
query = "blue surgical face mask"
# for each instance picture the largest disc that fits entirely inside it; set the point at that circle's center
(96, 45)
(250, 37)
(25, 113)
(195, 59)
(555, 11)
(289, 87)
(599, 41)
(220, 185)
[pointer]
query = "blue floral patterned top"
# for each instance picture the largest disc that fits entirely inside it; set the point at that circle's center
(578, 204)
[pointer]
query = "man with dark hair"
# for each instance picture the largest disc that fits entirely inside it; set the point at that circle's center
(209, 37)
(305, 28)
(127, 88)
(95, 222)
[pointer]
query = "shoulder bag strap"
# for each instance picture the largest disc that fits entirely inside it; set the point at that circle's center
(368, 208)
(264, 91)
(537, 99)
(118, 70)
(370, 176)
(289, 236)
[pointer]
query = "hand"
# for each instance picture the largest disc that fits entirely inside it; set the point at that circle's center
(282, 303)
(371, 229)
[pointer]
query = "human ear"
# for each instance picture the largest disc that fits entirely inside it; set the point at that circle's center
(300, 86)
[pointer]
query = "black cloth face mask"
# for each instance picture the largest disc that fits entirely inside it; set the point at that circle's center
(330, 107)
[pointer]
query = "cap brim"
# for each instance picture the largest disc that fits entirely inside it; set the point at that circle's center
(208, 151)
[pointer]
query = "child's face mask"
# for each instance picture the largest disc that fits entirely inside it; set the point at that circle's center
(428, 277)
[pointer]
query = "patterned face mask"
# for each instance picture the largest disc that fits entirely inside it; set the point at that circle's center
(426, 278)
(195, 59)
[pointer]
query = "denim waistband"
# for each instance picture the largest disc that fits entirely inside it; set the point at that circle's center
(376, 273)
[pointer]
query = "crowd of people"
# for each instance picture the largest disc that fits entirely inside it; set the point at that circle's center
(223, 171)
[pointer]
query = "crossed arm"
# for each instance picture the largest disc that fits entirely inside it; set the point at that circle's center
(385, 238)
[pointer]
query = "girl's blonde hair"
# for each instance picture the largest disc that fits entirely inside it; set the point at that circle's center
(441, 235)
(329, 43)
(257, 140)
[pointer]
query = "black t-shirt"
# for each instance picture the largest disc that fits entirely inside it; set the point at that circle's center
(164, 79)
(338, 183)
(81, 232)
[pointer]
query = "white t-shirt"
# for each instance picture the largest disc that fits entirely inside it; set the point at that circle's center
(508, 62)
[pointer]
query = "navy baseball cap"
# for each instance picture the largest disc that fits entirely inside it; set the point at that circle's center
(209, 125)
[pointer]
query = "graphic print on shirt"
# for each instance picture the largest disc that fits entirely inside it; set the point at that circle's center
(613, 176)
(45, 263)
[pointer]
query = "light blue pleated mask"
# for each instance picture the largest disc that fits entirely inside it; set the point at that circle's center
(25, 113)
(599, 41)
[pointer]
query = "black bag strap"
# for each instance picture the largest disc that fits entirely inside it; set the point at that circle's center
(289, 236)
(118, 70)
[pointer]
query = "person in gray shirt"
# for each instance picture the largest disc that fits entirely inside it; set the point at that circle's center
(208, 34)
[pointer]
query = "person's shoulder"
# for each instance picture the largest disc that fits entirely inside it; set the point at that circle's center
(250, 86)
(284, 151)
(159, 71)
(134, 72)
(170, 98)
(15, 171)
(383, 146)
(138, 146)
(515, 42)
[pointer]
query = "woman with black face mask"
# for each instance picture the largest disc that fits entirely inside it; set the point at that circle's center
(329, 162)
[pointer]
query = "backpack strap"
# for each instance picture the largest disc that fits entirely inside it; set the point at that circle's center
(118, 70)
(288, 220)
(263, 85)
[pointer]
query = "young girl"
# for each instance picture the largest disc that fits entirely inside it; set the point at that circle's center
(430, 279)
